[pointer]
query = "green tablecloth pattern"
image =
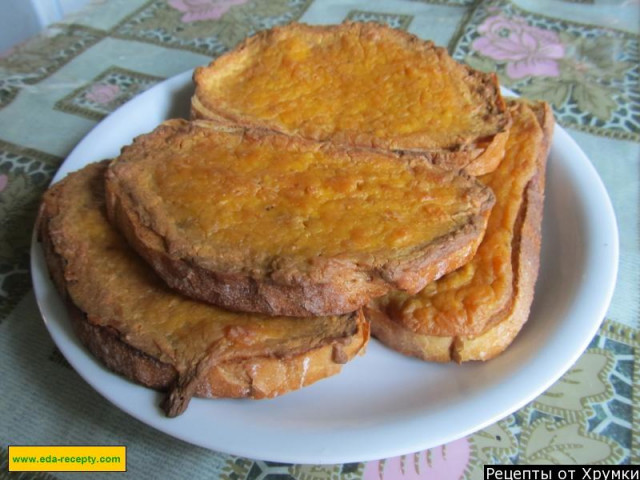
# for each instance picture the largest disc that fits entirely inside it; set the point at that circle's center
(581, 56)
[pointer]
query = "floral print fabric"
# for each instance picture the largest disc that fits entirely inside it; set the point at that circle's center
(195, 10)
(589, 74)
(82, 70)
(526, 50)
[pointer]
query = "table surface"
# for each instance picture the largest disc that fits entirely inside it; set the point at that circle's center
(582, 56)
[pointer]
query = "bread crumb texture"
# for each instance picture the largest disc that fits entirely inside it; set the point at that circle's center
(465, 301)
(117, 289)
(244, 197)
(355, 83)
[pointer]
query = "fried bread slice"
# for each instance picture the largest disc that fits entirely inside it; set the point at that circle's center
(475, 312)
(130, 320)
(359, 84)
(256, 221)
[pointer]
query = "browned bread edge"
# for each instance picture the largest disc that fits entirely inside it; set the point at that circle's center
(476, 155)
(507, 324)
(345, 284)
(255, 377)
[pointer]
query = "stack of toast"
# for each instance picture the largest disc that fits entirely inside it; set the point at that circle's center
(332, 181)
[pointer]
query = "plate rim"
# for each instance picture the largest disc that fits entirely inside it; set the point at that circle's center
(319, 454)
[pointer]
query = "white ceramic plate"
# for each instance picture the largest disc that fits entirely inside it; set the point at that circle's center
(383, 404)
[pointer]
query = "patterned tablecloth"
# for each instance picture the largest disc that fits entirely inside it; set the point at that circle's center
(582, 56)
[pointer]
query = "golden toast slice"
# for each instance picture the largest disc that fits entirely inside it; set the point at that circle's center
(130, 320)
(475, 312)
(256, 221)
(359, 84)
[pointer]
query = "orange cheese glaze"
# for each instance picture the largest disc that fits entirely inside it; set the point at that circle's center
(267, 196)
(109, 280)
(350, 83)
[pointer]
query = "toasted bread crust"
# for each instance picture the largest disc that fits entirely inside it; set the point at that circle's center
(500, 330)
(290, 285)
(219, 95)
(255, 367)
